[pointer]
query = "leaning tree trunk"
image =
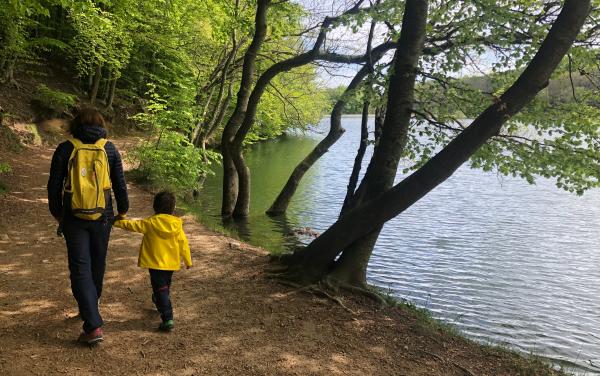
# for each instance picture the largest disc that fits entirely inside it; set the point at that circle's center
(230, 177)
(351, 267)
(284, 198)
(95, 84)
(368, 217)
(360, 154)
(242, 206)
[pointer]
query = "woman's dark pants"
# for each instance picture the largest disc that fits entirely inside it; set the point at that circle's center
(161, 284)
(87, 244)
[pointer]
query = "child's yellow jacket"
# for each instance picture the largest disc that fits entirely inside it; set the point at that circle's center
(164, 242)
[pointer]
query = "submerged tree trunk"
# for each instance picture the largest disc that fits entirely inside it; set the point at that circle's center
(230, 176)
(95, 84)
(368, 217)
(336, 131)
(284, 198)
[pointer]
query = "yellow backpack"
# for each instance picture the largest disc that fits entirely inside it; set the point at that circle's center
(88, 180)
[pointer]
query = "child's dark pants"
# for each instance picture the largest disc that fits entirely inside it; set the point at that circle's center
(87, 242)
(161, 284)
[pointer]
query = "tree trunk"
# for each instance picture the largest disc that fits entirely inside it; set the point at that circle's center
(215, 125)
(371, 215)
(379, 119)
(242, 208)
(230, 177)
(107, 88)
(95, 84)
(111, 93)
(9, 73)
(351, 267)
(336, 131)
(362, 148)
(284, 198)
(195, 137)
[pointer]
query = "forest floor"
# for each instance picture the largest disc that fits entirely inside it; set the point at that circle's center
(231, 318)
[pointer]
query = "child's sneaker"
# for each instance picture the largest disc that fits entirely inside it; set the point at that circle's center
(92, 337)
(166, 326)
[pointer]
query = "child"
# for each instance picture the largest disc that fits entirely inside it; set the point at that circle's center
(163, 245)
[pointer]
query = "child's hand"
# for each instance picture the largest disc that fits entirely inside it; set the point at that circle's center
(118, 218)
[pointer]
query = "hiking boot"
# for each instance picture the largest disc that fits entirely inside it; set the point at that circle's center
(166, 326)
(92, 337)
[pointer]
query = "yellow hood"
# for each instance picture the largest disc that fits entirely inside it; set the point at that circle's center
(165, 225)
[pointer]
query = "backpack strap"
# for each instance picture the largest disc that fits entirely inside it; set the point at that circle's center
(76, 142)
(101, 142)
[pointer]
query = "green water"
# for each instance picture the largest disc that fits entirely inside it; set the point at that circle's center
(270, 164)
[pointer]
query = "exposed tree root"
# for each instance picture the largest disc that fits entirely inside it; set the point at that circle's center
(444, 360)
(367, 293)
(316, 289)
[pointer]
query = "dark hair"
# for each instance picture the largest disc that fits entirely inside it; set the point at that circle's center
(86, 117)
(164, 203)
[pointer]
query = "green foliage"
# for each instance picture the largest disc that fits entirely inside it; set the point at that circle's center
(169, 160)
(172, 162)
(4, 168)
(556, 136)
(354, 102)
(54, 100)
(292, 101)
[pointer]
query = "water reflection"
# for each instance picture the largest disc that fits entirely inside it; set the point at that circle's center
(505, 261)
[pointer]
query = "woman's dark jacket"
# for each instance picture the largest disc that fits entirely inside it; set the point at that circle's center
(59, 171)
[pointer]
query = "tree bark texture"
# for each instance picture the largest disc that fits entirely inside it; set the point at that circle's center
(230, 176)
(372, 214)
(362, 148)
(95, 84)
(107, 87)
(111, 93)
(351, 267)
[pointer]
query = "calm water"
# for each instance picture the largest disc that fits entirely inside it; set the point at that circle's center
(504, 261)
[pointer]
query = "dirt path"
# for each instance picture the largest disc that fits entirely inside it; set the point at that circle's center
(231, 319)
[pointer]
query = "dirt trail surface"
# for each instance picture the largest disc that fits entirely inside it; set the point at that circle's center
(231, 319)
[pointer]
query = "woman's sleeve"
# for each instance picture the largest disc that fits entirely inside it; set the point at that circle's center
(56, 181)
(139, 225)
(117, 178)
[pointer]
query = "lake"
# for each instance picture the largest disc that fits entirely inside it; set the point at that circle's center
(506, 262)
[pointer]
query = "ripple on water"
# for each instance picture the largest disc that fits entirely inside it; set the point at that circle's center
(504, 261)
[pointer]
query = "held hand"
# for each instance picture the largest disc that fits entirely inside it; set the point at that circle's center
(119, 217)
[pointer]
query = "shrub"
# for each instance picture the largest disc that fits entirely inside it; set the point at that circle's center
(4, 168)
(171, 162)
(54, 101)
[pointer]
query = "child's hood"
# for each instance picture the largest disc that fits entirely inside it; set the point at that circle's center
(165, 225)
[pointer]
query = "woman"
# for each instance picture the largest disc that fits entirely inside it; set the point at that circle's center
(87, 240)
